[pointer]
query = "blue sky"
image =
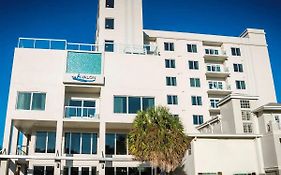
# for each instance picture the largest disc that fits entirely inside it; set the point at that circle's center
(75, 21)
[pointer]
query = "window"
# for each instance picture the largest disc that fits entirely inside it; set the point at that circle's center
(213, 68)
(131, 105)
(192, 48)
(109, 46)
(196, 100)
(80, 108)
(79, 171)
(41, 170)
(169, 46)
(80, 143)
(109, 4)
(246, 115)
(235, 51)
(31, 101)
(215, 85)
(238, 67)
(134, 105)
(248, 127)
(194, 82)
(193, 65)
(109, 23)
(198, 119)
(120, 104)
(245, 104)
(172, 99)
(240, 84)
(214, 103)
(171, 81)
(45, 142)
(211, 52)
(169, 63)
(116, 144)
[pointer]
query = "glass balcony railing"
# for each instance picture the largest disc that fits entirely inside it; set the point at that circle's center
(80, 112)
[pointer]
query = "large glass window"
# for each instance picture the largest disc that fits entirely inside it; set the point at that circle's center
(121, 144)
(168, 46)
(198, 119)
(214, 68)
(109, 170)
(238, 67)
(31, 101)
(45, 142)
(86, 143)
(110, 144)
(43, 170)
(193, 65)
(194, 82)
(235, 51)
(109, 46)
(172, 99)
(85, 171)
(109, 23)
(132, 105)
(133, 171)
(80, 143)
(196, 100)
(215, 85)
(109, 3)
(192, 48)
(170, 63)
(171, 81)
(147, 103)
(240, 84)
(120, 104)
(116, 144)
(121, 170)
(80, 108)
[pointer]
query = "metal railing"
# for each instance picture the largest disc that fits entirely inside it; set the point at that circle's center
(22, 150)
(56, 44)
(80, 112)
(219, 87)
(221, 69)
(59, 44)
(2, 151)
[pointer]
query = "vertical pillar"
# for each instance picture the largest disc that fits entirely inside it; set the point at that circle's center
(260, 156)
(101, 147)
(59, 140)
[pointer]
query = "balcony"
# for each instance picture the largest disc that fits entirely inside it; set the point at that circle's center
(215, 55)
(218, 88)
(214, 109)
(80, 112)
(60, 44)
(217, 71)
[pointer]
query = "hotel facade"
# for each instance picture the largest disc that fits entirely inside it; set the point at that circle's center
(71, 105)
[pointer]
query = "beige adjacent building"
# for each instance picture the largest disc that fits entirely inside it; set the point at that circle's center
(71, 105)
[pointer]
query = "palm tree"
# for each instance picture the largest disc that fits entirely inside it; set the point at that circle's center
(158, 137)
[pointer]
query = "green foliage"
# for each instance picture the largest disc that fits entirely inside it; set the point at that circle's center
(158, 137)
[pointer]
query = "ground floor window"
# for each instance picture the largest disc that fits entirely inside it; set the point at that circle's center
(43, 170)
(129, 171)
(116, 144)
(80, 143)
(79, 171)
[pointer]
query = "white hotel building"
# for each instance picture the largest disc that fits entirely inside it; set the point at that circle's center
(71, 104)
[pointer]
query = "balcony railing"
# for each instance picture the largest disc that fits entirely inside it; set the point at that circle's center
(2, 151)
(80, 112)
(22, 150)
(59, 44)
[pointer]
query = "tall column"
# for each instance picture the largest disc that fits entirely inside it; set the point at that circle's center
(101, 146)
(59, 140)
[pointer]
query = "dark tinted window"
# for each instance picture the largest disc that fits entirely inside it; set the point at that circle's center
(121, 144)
(109, 4)
(41, 142)
(109, 144)
(134, 105)
(109, 23)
